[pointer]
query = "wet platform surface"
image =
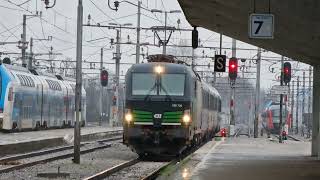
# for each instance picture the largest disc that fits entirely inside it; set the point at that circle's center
(12, 138)
(258, 159)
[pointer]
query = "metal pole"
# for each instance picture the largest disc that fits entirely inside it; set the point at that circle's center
(31, 54)
(51, 59)
(303, 101)
(257, 98)
(292, 104)
(281, 101)
(315, 148)
(309, 103)
(101, 88)
(214, 73)
(234, 48)
(232, 110)
(138, 34)
(220, 43)
(165, 33)
(297, 107)
(118, 57)
(76, 154)
(24, 39)
(232, 120)
(192, 62)
(249, 116)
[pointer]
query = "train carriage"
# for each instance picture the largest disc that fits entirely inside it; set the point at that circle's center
(168, 107)
(271, 118)
(34, 100)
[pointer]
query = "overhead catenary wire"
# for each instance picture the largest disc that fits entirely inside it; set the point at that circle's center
(47, 48)
(8, 30)
(14, 9)
(103, 11)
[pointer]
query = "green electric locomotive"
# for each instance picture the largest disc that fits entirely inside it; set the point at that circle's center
(168, 107)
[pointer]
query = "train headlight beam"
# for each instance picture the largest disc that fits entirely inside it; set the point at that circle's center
(186, 118)
(128, 117)
(158, 69)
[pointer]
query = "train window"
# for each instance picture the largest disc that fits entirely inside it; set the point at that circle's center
(144, 84)
(54, 85)
(58, 86)
(27, 81)
(24, 81)
(19, 79)
(49, 83)
(173, 84)
(31, 82)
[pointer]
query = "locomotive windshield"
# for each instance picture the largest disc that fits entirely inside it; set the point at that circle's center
(173, 84)
(143, 84)
(161, 85)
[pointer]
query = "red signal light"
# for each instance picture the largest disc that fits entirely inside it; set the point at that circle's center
(233, 68)
(286, 72)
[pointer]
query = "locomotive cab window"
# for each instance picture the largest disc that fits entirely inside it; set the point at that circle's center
(162, 85)
(173, 84)
(143, 84)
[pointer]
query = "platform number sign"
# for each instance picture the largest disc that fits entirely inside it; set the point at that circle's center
(220, 63)
(261, 26)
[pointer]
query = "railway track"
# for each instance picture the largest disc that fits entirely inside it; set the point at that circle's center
(293, 138)
(16, 162)
(144, 170)
(289, 138)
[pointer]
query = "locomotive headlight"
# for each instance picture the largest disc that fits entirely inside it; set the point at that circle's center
(158, 69)
(186, 117)
(128, 117)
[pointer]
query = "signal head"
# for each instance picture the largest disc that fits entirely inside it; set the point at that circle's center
(195, 36)
(104, 77)
(233, 68)
(286, 72)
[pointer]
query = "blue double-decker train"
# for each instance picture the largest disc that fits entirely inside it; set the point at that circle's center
(35, 100)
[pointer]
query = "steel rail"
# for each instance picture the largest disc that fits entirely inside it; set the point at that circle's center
(8, 159)
(64, 156)
(117, 168)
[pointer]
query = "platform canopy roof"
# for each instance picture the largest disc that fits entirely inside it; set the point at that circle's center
(297, 23)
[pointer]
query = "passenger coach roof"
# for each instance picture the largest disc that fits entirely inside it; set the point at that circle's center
(16, 68)
(168, 67)
(211, 89)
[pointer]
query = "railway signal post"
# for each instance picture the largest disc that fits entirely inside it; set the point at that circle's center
(281, 101)
(285, 77)
(233, 73)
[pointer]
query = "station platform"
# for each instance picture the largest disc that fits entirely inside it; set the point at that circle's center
(251, 159)
(21, 142)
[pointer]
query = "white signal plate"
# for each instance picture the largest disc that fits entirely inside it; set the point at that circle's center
(277, 89)
(261, 26)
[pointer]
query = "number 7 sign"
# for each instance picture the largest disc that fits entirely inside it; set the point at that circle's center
(261, 26)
